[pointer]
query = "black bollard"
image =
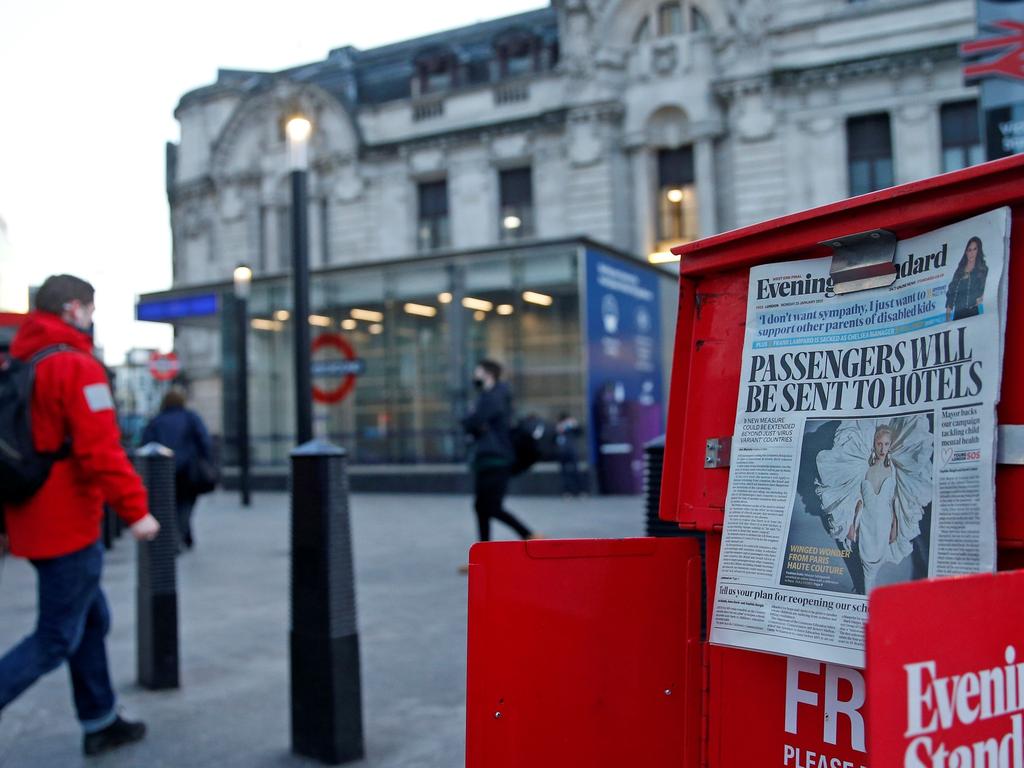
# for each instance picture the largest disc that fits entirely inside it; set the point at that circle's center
(654, 466)
(157, 591)
(326, 695)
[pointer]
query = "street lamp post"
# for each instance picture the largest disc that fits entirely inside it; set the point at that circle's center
(243, 281)
(298, 130)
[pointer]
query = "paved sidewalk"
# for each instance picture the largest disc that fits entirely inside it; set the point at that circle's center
(232, 709)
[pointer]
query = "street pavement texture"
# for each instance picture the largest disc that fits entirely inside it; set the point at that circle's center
(232, 708)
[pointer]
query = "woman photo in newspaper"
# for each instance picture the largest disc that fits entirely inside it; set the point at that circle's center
(872, 494)
(966, 289)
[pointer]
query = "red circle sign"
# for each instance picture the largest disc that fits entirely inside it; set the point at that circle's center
(164, 367)
(346, 368)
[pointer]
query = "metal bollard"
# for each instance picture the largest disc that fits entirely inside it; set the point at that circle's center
(654, 463)
(326, 693)
(157, 592)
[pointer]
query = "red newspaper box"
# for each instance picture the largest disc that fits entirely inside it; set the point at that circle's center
(775, 710)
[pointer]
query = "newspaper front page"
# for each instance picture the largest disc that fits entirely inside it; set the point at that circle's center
(864, 446)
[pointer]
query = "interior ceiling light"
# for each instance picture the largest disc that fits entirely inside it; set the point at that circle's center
(423, 310)
(479, 304)
(369, 315)
(538, 298)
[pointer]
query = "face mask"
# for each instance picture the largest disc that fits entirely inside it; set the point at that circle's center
(478, 383)
(80, 319)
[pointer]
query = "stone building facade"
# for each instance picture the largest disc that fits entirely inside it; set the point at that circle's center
(636, 123)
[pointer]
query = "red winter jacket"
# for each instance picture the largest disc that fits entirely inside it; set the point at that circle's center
(71, 399)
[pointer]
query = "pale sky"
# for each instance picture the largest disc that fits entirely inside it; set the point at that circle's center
(87, 95)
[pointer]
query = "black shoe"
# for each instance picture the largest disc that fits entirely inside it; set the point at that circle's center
(117, 734)
(189, 541)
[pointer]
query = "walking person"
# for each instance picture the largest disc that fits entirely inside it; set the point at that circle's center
(183, 431)
(566, 431)
(58, 528)
(489, 424)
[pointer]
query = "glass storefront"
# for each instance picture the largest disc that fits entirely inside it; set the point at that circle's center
(419, 328)
(567, 320)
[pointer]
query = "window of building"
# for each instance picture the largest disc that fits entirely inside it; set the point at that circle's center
(436, 71)
(677, 198)
(515, 211)
(961, 135)
(869, 153)
(517, 55)
(432, 230)
(670, 19)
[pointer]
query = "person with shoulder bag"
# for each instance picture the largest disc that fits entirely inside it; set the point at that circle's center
(183, 431)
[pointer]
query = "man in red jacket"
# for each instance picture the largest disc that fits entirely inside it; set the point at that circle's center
(58, 529)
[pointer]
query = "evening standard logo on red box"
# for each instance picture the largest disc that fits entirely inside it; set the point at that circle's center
(941, 702)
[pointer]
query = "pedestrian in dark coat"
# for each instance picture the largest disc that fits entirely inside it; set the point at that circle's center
(183, 431)
(489, 424)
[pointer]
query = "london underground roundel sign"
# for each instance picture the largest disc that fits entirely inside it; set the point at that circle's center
(335, 368)
(164, 367)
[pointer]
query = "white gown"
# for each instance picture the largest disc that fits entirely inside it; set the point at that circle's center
(875, 527)
(842, 482)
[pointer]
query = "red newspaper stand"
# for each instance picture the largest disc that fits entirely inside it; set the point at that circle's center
(771, 710)
(758, 709)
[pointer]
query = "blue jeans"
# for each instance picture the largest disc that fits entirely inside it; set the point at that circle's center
(72, 626)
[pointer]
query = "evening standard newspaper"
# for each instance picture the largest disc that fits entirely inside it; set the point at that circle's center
(864, 446)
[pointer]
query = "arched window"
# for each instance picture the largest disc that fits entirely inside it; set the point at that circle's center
(518, 53)
(670, 19)
(436, 70)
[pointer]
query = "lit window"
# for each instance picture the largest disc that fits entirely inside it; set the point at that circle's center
(432, 229)
(869, 153)
(515, 187)
(670, 19)
(961, 136)
(677, 198)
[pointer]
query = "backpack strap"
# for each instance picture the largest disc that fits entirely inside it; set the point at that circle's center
(65, 449)
(50, 351)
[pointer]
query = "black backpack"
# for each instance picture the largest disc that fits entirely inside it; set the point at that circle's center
(23, 470)
(527, 435)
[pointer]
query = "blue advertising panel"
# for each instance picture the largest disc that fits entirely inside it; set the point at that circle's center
(624, 371)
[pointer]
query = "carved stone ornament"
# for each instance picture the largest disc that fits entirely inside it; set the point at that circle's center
(585, 145)
(820, 126)
(424, 161)
(232, 202)
(755, 118)
(511, 147)
(915, 113)
(664, 58)
(749, 21)
(348, 183)
(192, 222)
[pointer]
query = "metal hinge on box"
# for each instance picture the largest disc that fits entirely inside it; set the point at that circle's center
(862, 261)
(717, 452)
